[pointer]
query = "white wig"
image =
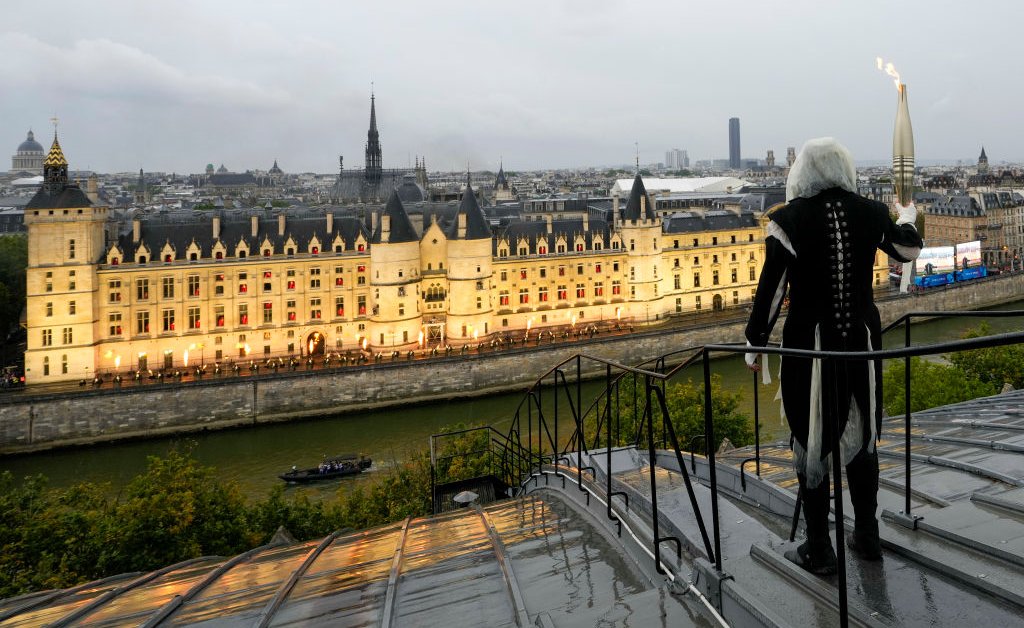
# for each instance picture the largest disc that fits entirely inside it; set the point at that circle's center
(823, 163)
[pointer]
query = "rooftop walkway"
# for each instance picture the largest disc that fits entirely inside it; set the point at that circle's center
(552, 556)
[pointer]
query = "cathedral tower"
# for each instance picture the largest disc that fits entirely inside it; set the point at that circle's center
(395, 317)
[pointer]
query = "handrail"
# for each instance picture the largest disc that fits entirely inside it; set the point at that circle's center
(547, 397)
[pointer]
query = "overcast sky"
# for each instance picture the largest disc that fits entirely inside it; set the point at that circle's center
(559, 83)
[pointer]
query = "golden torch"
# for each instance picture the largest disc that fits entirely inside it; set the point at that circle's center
(902, 155)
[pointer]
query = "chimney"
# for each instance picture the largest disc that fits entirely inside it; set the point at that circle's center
(330, 222)
(385, 228)
(643, 207)
(547, 219)
(255, 221)
(373, 222)
(136, 230)
(615, 210)
(216, 226)
(280, 224)
(462, 226)
(586, 221)
(92, 190)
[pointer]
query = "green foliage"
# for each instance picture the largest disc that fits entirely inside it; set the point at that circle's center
(280, 204)
(685, 404)
(462, 456)
(995, 365)
(204, 206)
(176, 510)
(931, 385)
(13, 261)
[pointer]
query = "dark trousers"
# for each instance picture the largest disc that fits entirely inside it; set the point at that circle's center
(862, 480)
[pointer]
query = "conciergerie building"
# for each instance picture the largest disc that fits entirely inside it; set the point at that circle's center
(111, 291)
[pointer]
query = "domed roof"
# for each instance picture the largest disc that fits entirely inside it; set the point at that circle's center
(30, 145)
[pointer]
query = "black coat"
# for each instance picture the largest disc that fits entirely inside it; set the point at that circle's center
(827, 265)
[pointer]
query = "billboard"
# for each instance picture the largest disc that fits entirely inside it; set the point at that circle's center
(936, 260)
(968, 254)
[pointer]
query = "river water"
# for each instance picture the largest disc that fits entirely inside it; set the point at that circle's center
(253, 456)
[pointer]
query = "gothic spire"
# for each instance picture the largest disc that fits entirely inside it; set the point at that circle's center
(373, 152)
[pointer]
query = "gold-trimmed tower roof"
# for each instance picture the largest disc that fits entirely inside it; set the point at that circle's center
(56, 157)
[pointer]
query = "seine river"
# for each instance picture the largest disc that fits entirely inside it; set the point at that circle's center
(254, 456)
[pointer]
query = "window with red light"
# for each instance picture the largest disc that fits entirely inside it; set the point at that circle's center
(291, 316)
(243, 288)
(316, 250)
(361, 268)
(339, 281)
(597, 268)
(167, 258)
(562, 293)
(219, 255)
(580, 291)
(361, 248)
(561, 271)
(579, 247)
(266, 252)
(267, 274)
(542, 294)
(522, 274)
(291, 284)
(114, 262)
(542, 250)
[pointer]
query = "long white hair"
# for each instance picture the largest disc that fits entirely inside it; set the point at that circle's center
(823, 163)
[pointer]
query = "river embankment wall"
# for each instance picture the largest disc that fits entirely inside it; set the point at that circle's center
(31, 422)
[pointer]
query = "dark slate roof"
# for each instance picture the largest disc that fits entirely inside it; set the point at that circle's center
(632, 211)
(180, 228)
(536, 232)
(713, 220)
(964, 206)
(476, 223)
(243, 178)
(401, 227)
(410, 191)
(71, 196)
(501, 181)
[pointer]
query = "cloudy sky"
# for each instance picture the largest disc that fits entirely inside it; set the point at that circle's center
(562, 83)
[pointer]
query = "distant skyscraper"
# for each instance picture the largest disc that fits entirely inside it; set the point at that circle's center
(670, 160)
(685, 159)
(734, 143)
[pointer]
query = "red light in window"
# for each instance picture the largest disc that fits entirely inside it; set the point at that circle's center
(522, 274)
(145, 328)
(542, 250)
(172, 326)
(361, 248)
(114, 262)
(291, 285)
(220, 321)
(266, 252)
(245, 319)
(597, 268)
(291, 316)
(341, 311)
(316, 250)
(267, 306)
(362, 310)
(243, 288)
(267, 274)
(197, 324)
(219, 255)
(338, 281)
(167, 258)
(361, 268)
(117, 330)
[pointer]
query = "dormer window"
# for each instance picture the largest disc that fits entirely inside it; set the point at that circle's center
(266, 252)
(219, 255)
(192, 257)
(114, 261)
(315, 250)
(167, 259)
(142, 259)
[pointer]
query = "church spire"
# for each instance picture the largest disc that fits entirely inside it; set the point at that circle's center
(373, 152)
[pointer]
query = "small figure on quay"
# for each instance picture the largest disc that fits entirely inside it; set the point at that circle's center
(820, 248)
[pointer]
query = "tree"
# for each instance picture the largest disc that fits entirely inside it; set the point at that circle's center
(994, 365)
(931, 385)
(685, 404)
(13, 261)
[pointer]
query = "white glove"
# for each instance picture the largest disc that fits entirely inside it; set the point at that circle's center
(907, 215)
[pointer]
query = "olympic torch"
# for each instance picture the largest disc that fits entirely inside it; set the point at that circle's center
(902, 156)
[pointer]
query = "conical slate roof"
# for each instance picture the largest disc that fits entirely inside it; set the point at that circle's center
(476, 223)
(401, 229)
(633, 209)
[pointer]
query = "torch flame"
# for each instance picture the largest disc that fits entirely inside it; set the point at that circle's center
(117, 362)
(889, 69)
(185, 357)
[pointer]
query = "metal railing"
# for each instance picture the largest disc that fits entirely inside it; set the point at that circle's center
(624, 412)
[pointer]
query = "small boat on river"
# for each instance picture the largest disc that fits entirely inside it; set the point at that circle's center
(334, 467)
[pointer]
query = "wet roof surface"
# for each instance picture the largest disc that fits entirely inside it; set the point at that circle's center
(544, 558)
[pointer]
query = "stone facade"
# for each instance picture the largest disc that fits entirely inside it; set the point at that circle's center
(46, 421)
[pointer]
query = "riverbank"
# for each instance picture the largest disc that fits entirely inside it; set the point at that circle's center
(44, 421)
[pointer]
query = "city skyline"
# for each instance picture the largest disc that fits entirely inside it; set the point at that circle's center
(225, 84)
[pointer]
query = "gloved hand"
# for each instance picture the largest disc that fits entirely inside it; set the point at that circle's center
(751, 360)
(907, 215)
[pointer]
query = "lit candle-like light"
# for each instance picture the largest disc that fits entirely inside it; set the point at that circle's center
(185, 357)
(421, 340)
(117, 361)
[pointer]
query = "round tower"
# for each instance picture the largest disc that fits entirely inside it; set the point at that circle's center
(469, 273)
(395, 317)
(640, 230)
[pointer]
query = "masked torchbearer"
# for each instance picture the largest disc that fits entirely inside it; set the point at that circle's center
(820, 248)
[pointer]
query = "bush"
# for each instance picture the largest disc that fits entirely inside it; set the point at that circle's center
(995, 365)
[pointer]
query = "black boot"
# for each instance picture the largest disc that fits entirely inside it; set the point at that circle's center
(819, 558)
(862, 478)
(864, 541)
(815, 554)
